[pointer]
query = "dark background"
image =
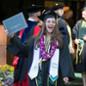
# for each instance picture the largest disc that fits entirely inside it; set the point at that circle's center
(11, 7)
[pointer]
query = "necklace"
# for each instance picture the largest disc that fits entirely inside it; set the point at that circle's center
(43, 53)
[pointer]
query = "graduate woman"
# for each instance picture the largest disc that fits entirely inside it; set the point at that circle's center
(45, 65)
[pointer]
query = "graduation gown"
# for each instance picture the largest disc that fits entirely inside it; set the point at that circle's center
(79, 30)
(65, 62)
(23, 48)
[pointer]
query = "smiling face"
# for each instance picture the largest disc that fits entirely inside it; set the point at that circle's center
(50, 24)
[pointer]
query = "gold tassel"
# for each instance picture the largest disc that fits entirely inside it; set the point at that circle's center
(79, 50)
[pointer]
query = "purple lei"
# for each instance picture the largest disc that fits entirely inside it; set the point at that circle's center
(43, 53)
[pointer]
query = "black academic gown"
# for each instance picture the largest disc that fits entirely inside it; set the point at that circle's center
(23, 48)
(65, 62)
(79, 31)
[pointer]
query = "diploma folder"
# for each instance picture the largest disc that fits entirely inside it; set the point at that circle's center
(15, 23)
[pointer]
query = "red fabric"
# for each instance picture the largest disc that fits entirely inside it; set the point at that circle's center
(16, 58)
(21, 33)
(25, 82)
(36, 31)
(15, 61)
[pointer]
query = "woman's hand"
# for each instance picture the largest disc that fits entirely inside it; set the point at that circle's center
(76, 41)
(84, 37)
(8, 34)
(40, 23)
(71, 48)
(66, 80)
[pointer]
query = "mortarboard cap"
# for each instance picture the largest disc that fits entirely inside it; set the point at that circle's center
(48, 14)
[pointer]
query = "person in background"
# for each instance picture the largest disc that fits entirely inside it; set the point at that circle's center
(68, 15)
(65, 56)
(63, 25)
(23, 42)
(79, 32)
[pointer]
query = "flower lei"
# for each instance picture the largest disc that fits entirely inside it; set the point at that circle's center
(43, 53)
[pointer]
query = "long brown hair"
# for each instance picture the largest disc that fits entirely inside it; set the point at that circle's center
(56, 34)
